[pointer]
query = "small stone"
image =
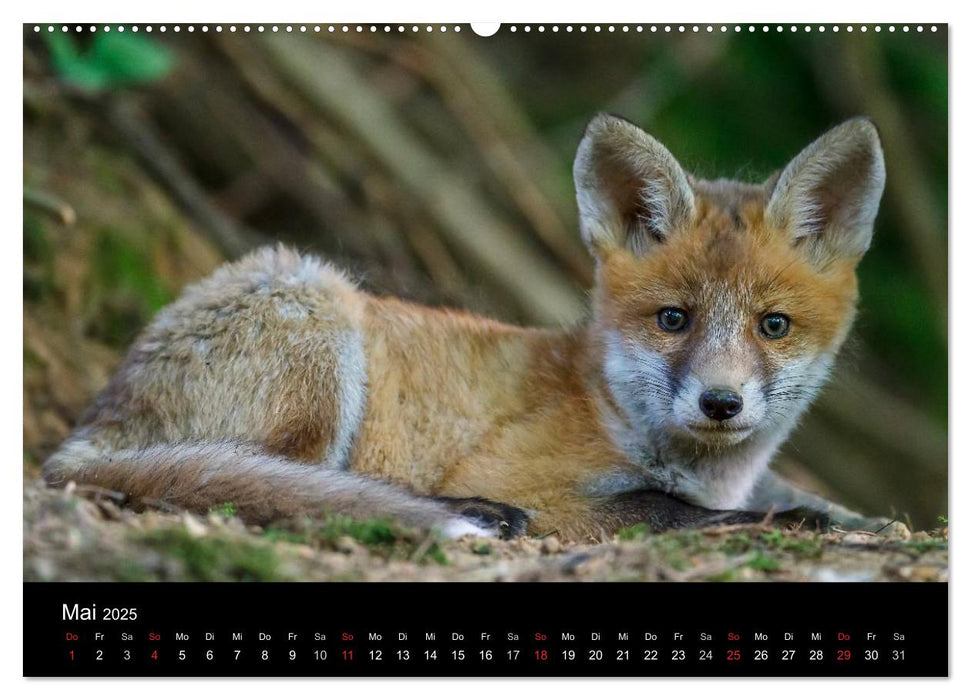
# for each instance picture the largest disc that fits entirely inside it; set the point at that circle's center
(74, 538)
(86, 513)
(527, 546)
(550, 545)
(347, 545)
(290, 570)
(305, 551)
(44, 568)
(919, 573)
(859, 538)
(234, 524)
(193, 526)
(335, 564)
(898, 531)
(481, 547)
(109, 510)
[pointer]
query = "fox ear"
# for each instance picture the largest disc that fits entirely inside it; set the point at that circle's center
(631, 192)
(827, 197)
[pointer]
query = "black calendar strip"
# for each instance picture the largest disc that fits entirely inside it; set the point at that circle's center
(542, 629)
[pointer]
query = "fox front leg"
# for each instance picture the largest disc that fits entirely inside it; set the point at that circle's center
(773, 493)
(661, 512)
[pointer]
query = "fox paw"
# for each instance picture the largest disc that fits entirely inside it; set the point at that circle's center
(813, 519)
(885, 527)
(486, 518)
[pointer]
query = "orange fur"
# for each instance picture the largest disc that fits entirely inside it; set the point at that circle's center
(464, 406)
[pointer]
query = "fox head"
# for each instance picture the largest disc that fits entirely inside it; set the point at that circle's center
(720, 305)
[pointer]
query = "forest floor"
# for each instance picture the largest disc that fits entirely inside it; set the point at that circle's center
(75, 534)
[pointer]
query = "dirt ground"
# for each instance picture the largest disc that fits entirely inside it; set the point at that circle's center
(81, 535)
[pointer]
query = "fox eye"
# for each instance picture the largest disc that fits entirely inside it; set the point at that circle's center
(672, 320)
(774, 326)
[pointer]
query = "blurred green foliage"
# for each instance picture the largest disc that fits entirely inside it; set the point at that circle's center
(124, 284)
(212, 558)
(113, 59)
(38, 258)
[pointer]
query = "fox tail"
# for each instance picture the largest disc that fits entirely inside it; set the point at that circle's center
(261, 487)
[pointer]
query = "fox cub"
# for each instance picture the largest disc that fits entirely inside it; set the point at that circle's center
(277, 385)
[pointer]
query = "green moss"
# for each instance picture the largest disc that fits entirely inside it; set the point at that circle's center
(776, 541)
(759, 550)
(727, 575)
(373, 532)
(481, 548)
(128, 570)
(106, 173)
(124, 286)
(763, 562)
(736, 543)
(634, 532)
(215, 558)
(31, 359)
(275, 534)
(794, 543)
(227, 509)
(674, 548)
(36, 245)
(382, 538)
(921, 546)
(38, 259)
(434, 554)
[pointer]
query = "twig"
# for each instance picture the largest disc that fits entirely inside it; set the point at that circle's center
(99, 491)
(367, 232)
(737, 527)
(490, 121)
(877, 532)
(335, 86)
(422, 549)
(50, 205)
(231, 238)
(159, 504)
(862, 87)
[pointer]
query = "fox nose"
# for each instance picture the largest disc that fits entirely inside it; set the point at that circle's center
(720, 404)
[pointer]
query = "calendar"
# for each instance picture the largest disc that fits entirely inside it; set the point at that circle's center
(669, 630)
(544, 349)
